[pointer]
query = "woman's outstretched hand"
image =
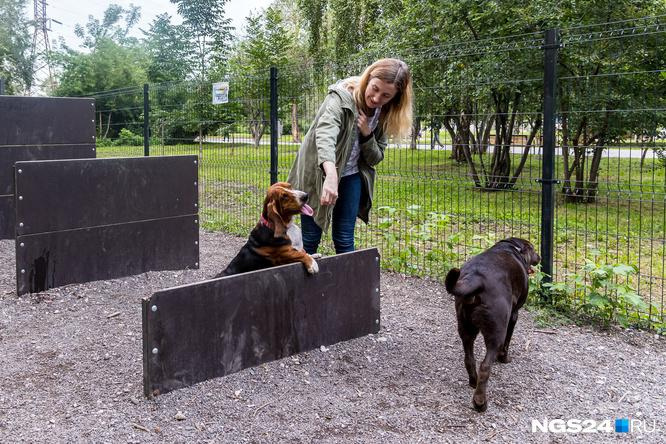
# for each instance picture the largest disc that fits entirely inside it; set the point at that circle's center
(329, 192)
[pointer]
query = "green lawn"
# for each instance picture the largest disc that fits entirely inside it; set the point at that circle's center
(630, 200)
(428, 216)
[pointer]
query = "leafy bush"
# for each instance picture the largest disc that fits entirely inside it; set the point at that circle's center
(104, 142)
(128, 138)
(600, 291)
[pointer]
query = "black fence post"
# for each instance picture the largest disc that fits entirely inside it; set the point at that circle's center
(274, 125)
(146, 121)
(548, 161)
(2, 87)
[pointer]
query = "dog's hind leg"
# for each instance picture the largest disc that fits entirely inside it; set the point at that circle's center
(503, 354)
(468, 334)
(493, 345)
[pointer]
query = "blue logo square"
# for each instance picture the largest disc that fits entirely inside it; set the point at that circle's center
(622, 425)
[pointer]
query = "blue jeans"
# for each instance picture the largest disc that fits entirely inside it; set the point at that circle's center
(344, 218)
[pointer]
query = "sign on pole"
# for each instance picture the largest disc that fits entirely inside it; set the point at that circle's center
(220, 93)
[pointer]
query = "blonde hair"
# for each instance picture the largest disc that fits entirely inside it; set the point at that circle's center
(396, 117)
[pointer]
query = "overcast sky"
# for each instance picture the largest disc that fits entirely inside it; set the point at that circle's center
(71, 12)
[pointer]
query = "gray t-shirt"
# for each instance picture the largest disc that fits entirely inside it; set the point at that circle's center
(351, 167)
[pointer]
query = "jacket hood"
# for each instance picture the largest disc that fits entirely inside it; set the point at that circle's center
(340, 89)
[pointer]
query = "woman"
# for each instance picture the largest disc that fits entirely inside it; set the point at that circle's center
(347, 138)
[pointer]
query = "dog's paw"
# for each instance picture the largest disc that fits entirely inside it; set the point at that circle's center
(480, 403)
(316, 256)
(314, 268)
(503, 358)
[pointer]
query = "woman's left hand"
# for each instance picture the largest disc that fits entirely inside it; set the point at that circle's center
(363, 124)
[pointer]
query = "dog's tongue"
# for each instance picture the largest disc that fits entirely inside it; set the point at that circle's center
(307, 210)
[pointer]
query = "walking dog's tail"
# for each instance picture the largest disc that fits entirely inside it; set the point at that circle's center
(464, 288)
(452, 279)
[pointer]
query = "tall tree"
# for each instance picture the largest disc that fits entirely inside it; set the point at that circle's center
(115, 25)
(210, 31)
(477, 69)
(109, 67)
(267, 44)
(602, 77)
(299, 64)
(340, 29)
(168, 49)
(314, 13)
(469, 80)
(16, 63)
(111, 61)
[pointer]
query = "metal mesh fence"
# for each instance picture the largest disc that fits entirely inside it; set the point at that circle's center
(611, 204)
(470, 173)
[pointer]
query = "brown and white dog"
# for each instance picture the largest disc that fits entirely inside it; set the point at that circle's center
(275, 240)
(489, 289)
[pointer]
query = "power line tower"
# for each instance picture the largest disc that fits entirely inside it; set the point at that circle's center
(41, 48)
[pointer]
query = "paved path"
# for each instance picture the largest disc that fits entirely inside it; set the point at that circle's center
(614, 152)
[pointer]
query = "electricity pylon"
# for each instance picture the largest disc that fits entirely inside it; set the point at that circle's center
(41, 48)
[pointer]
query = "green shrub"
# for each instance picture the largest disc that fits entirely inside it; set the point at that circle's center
(103, 142)
(128, 138)
(600, 291)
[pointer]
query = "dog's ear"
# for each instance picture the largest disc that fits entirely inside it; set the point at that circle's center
(519, 244)
(286, 185)
(525, 246)
(273, 215)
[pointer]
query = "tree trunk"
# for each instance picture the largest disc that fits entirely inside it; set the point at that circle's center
(295, 130)
(643, 154)
(416, 131)
(579, 182)
(566, 184)
(257, 130)
(504, 128)
(481, 145)
(526, 152)
(593, 182)
(108, 126)
(457, 147)
(464, 135)
(572, 184)
(200, 143)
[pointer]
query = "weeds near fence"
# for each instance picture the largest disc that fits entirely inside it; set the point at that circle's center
(600, 294)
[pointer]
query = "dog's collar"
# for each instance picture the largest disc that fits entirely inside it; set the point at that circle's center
(263, 221)
(518, 253)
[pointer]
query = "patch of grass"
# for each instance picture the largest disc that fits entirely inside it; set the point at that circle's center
(548, 317)
(441, 219)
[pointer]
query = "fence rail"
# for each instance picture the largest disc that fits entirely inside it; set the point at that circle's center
(558, 138)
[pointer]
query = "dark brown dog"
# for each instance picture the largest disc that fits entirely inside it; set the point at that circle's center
(275, 240)
(489, 290)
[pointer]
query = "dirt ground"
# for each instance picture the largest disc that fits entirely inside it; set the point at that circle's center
(71, 371)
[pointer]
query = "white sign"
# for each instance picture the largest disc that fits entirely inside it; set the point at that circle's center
(220, 93)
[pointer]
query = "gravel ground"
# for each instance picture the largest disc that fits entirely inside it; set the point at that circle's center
(71, 371)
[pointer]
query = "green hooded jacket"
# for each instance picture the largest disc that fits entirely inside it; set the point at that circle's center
(331, 137)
